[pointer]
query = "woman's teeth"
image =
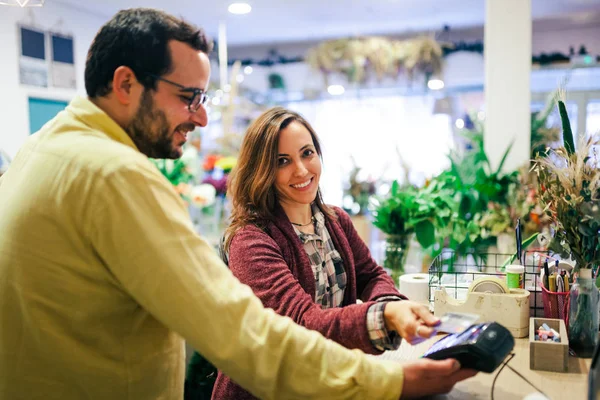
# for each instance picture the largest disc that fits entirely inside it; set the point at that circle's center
(302, 185)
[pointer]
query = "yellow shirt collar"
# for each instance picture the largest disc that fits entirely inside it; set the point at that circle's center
(90, 114)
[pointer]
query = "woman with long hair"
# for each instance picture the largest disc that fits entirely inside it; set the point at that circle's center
(303, 258)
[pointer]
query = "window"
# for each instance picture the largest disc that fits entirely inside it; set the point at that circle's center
(592, 124)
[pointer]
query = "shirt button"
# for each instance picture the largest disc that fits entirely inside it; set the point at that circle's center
(323, 264)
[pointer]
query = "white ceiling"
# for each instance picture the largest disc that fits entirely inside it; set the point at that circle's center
(274, 21)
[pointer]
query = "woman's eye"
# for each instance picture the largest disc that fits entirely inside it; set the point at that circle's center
(282, 161)
(308, 152)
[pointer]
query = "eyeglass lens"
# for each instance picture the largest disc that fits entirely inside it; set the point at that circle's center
(199, 98)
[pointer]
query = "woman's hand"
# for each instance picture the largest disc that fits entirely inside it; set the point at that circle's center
(428, 377)
(412, 321)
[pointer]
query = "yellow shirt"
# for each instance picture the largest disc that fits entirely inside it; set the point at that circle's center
(102, 275)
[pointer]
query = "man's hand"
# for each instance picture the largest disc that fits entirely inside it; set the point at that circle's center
(412, 321)
(428, 377)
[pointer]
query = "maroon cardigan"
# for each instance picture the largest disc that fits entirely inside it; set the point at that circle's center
(273, 262)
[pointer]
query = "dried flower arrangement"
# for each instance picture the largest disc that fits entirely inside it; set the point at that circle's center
(385, 57)
(569, 179)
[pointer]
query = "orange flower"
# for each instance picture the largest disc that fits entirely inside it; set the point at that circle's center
(210, 161)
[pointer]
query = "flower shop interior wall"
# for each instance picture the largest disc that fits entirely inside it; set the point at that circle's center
(14, 96)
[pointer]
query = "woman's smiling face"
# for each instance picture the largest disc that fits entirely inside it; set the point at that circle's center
(298, 166)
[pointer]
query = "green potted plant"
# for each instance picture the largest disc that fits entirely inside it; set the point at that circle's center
(474, 186)
(569, 180)
(405, 212)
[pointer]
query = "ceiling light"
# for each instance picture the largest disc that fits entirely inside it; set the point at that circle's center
(23, 3)
(336, 90)
(460, 123)
(435, 84)
(239, 8)
(247, 70)
(239, 78)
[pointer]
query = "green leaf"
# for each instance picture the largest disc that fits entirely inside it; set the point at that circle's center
(566, 125)
(395, 188)
(504, 157)
(465, 205)
(425, 232)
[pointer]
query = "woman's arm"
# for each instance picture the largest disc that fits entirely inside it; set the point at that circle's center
(412, 321)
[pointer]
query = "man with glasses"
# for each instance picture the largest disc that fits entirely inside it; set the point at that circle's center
(101, 272)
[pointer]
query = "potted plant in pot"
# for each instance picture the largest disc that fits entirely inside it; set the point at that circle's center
(569, 180)
(405, 212)
(474, 186)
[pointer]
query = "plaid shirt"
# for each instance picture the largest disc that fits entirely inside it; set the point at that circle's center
(330, 282)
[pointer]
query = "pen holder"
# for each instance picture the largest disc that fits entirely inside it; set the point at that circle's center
(556, 304)
(548, 356)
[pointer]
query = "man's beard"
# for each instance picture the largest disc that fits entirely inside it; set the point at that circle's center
(149, 130)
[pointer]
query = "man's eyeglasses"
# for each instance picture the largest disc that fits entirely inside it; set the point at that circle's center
(199, 96)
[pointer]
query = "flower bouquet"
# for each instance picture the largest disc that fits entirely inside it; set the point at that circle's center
(569, 179)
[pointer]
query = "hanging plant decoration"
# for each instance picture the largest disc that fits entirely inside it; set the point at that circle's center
(357, 57)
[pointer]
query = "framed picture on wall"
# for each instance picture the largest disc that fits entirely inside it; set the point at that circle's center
(63, 61)
(43, 110)
(33, 67)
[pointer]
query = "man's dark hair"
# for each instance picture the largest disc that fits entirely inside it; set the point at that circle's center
(137, 38)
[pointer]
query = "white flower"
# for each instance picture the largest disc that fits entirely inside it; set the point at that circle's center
(203, 195)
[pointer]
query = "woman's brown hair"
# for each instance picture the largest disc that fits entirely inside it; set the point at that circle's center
(251, 185)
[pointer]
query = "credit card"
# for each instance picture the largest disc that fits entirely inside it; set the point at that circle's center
(454, 322)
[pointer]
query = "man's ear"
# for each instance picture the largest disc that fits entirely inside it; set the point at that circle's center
(124, 81)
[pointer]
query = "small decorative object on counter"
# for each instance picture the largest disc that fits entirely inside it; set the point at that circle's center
(514, 276)
(547, 334)
(548, 345)
(583, 314)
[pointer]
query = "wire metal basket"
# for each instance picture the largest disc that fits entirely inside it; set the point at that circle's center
(455, 273)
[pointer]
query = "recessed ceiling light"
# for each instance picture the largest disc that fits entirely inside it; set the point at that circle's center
(239, 8)
(335, 90)
(435, 84)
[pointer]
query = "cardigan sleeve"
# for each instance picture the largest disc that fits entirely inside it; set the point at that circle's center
(372, 282)
(257, 261)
